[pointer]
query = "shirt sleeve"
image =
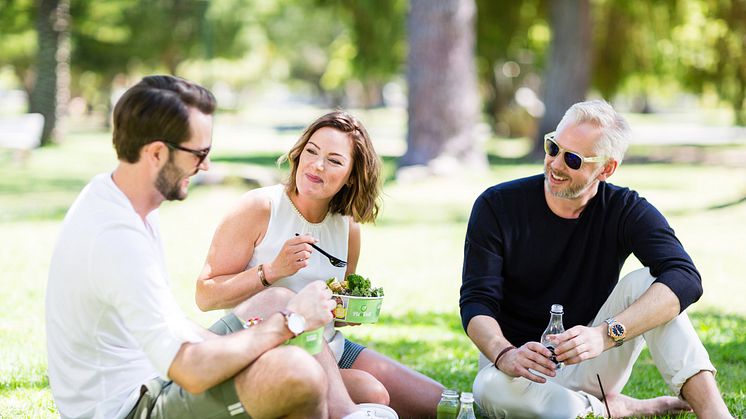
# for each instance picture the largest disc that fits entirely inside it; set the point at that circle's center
(482, 281)
(128, 274)
(648, 235)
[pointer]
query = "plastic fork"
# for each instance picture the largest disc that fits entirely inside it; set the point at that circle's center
(339, 263)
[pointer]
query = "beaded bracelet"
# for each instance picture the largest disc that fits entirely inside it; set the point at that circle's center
(253, 321)
(260, 272)
(503, 352)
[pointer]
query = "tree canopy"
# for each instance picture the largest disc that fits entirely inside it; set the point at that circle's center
(345, 52)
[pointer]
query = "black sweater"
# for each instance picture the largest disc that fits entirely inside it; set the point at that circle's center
(520, 258)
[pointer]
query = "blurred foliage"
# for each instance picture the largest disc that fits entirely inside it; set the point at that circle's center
(632, 46)
(511, 45)
(373, 49)
(712, 42)
(114, 35)
(345, 52)
(640, 49)
(18, 46)
(117, 37)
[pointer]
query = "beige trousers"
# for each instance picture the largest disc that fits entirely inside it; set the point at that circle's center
(675, 348)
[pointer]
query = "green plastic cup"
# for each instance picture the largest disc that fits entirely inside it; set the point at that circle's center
(312, 341)
(357, 309)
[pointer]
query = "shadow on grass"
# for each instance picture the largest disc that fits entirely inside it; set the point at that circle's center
(391, 163)
(21, 185)
(497, 160)
(443, 216)
(689, 154)
(725, 205)
(47, 203)
(733, 203)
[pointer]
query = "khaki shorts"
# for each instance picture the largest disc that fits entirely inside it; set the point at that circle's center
(165, 399)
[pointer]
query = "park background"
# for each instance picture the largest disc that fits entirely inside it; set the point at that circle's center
(456, 95)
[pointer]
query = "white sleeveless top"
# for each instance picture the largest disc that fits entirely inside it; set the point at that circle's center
(332, 234)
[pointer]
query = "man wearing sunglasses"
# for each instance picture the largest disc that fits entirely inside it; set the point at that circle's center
(562, 238)
(118, 344)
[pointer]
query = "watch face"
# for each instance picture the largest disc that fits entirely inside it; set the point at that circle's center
(616, 330)
(296, 323)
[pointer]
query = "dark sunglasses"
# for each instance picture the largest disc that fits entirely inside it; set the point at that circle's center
(200, 154)
(573, 160)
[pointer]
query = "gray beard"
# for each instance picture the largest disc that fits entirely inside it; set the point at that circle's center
(572, 191)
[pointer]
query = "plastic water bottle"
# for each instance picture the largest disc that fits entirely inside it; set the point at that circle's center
(448, 406)
(554, 327)
(467, 407)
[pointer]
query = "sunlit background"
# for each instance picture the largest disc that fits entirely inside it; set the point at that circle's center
(456, 94)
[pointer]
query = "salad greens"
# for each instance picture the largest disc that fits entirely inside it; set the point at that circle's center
(354, 285)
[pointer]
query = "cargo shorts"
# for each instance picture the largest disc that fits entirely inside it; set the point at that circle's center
(161, 399)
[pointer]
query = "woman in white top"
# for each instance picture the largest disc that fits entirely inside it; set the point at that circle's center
(333, 186)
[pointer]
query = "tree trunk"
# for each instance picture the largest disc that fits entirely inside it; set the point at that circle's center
(51, 91)
(443, 102)
(569, 70)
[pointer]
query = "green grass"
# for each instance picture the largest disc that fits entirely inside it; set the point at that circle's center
(415, 252)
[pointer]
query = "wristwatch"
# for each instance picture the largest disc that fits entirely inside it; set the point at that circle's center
(294, 322)
(616, 331)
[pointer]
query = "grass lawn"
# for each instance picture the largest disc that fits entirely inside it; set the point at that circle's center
(414, 252)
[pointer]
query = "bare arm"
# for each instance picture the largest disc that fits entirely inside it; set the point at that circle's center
(200, 366)
(656, 306)
(486, 334)
(223, 282)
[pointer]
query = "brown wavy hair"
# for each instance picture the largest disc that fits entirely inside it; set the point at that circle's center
(359, 198)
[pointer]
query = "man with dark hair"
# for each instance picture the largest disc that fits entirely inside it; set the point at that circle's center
(562, 238)
(118, 344)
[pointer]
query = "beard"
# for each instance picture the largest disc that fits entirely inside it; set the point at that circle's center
(572, 191)
(169, 181)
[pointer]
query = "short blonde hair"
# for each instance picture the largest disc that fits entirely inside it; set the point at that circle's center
(359, 198)
(614, 139)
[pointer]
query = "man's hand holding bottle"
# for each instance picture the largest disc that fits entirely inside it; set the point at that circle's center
(530, 356)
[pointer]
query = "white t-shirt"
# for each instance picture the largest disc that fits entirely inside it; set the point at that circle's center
(112, 322)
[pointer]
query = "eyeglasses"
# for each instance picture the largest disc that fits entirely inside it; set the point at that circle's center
(573, 160)
(200, 154)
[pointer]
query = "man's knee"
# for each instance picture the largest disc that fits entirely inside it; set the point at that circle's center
(291, 368)
(495, 391)
(499, 395)
(298, 370)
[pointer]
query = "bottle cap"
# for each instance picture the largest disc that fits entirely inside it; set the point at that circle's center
(450, 393)
(557, 309)
(467, 397)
